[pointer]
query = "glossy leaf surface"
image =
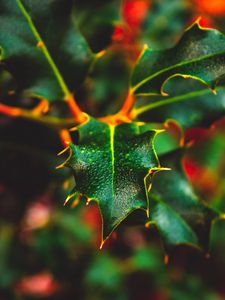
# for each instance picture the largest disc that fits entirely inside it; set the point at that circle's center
(197, 51)
(111, 165)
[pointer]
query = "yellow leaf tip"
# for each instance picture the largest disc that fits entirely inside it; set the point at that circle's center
(100, 53)
(73, 129)
(157, 131)
(66, 201)
(60, 166)
(214, 91)
(102, 244)
(63, 151)
(147, 225)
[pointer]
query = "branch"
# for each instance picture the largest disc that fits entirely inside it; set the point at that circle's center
(127, 105)
(36, 115)
(79, 116)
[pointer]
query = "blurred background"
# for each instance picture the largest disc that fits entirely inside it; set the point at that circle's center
(50, 251)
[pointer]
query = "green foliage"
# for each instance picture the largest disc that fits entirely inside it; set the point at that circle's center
(198, 50)
(42, 48)
(48, 251)
(180, 216)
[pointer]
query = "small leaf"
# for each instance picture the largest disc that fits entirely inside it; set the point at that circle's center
(41, 47)
(111, 165)
(200, 54)
(180, 216)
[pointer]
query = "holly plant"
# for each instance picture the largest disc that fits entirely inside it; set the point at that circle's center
(126, 153)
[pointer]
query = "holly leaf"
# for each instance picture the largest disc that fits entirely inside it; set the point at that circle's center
(111, 165)
(200, 54)
(180, 216)
(189, 104)
(42, 48)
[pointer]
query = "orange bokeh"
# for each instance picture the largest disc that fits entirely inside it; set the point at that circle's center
(134, 12)
(214, 8)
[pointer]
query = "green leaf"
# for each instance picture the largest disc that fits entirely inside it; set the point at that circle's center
(104, 273)
(97, 27)
(111, 165)
(180, 216)
(189, 104)
(170, 139)
(165, 22)
(41, 47)
(200, 54)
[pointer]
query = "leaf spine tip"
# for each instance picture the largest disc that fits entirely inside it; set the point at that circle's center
(102, 244)
(63, 151)
(147, 225)
(60, 166)
(70, 196)
(157, 131)
(88, 202)
(214, 91)
(66, 201)
(198, 20)
(73, 129)
(100, 54)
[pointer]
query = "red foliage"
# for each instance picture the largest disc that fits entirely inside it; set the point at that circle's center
(126, 34)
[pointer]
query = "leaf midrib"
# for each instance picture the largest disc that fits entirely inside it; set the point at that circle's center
(185, 224)
(112, 151)
(45, 51)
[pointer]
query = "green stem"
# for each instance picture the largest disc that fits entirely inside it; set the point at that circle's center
(45, 51)
(68, 97)
(138, 111)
